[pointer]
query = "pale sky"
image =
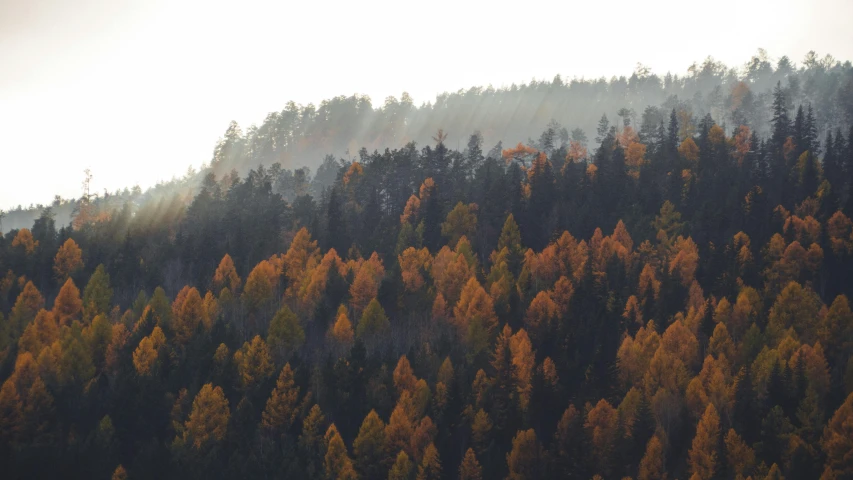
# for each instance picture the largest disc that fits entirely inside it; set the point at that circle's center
(139, 90)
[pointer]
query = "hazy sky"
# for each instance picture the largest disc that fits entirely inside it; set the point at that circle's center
(138, 90)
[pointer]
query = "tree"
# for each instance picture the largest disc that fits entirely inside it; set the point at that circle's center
(740, 457)
(226, 275)
(208, 420)
(337, 464)
(27, 305)
(119, 473)
(524, 460)
(342, 332)
(281, 411)
(652, 466)
(370, 448)
(430, 467)
(402, 468)
(404, 377)
(98, 294)
(68, 260)
(259, 286)
(602, 425)
(373, 320)
(365, 285)
(311, 441)
(145, 355)
(460, 222)
(523, 360)
(285, 332)
(254, 363)
(41, 333)
(470, 468)
(190, 314)
(398, 432)
(474, 316)
(703, 453)
(837, 441)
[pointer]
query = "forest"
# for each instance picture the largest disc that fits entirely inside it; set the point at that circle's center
(660, 293)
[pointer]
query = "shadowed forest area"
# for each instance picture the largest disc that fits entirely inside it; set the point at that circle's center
(644, 277)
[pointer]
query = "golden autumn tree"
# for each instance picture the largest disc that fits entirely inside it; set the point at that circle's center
(402, 468)
(190, 314)
(254, 363)
(341, 331)
(703, 453)
(837, 440)
(281, 407)
(523, 360)
(541, 315)
(739, 455)
(404, 377)
(474, 316)
(226, 275)
(653, 465)
(25, 241)
(68, 260)
(470, 468)
(795, 307)
(635, 354)
(41, 333)
(119, 473)
(365, 285)
(337, 465)
(259, 286)
(413, 264)
(450, 270)
(410, 211)
(602, 425)
(208, 420)
(430, 467)
(524, 460)
(721, 343)
(146, 353)
(689, 150)
(27, 305)
(399, 430)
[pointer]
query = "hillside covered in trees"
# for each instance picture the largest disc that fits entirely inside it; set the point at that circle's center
(662, 293)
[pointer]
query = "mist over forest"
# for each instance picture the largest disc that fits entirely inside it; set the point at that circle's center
(643, 277)
(342, 128)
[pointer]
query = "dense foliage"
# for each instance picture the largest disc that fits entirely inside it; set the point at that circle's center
(670, 301)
